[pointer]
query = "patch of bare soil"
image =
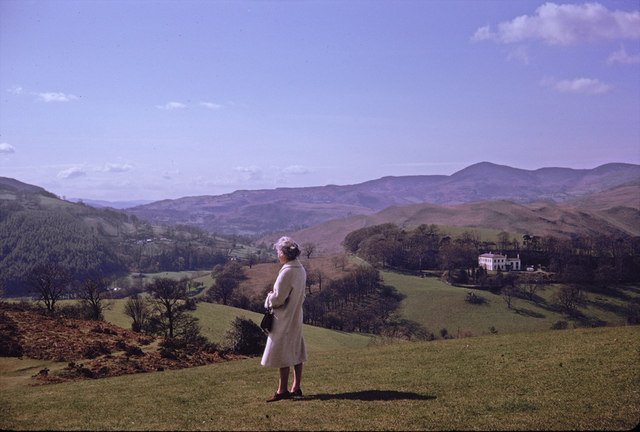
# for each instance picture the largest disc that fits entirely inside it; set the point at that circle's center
(93, 349)
(320, 269)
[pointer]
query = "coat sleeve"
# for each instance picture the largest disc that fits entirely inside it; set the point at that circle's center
(281, 290)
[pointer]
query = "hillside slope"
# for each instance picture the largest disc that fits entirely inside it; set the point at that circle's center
(583, 379)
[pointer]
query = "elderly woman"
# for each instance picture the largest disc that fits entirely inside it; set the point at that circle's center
(285, 344)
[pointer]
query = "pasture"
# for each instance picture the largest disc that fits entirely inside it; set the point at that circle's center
(584, 379)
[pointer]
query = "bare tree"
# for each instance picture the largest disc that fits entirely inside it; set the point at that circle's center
(137, 308)
(509, 293)
(308, 249)
(569, 297)
(92, 293)
(340, 261)
(49, 281)
(168, 295)
(532, 286)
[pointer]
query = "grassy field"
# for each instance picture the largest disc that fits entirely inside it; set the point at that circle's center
(436, 306)
(215, 319)
(578, 379)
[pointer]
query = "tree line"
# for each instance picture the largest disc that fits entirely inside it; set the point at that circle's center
(597, 260)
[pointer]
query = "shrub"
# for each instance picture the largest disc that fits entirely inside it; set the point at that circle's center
(9, 338)
(95, 350)
(245, 337)
(465, 334)
(474, 298)
(633, 313)
(559, 325)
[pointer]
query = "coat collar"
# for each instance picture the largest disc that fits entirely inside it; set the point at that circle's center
(295, 263)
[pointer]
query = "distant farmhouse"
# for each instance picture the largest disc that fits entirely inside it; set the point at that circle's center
(491, 261)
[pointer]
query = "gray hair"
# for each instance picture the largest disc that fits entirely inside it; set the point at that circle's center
(287, 247)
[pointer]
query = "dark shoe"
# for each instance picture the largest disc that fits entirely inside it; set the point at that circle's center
(297, 393)
(279, 396)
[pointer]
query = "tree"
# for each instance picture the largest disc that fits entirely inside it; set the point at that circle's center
(49, 281)
(252, 259)
(227, 279)
(137, 308)
(340, 261)
(532, 286)
(503, 240)
(308, 249)
(509, 293)
(92, 292)
(569, 297)
(168, 295)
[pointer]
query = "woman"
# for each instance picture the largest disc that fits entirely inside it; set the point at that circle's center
(285, 344)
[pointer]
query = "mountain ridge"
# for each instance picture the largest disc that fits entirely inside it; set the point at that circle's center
(251, 212)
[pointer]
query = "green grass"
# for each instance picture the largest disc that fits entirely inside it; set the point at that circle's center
(436, 305)
(215, 319)
(584, 379)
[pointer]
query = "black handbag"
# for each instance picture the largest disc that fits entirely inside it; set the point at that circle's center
(267, 321)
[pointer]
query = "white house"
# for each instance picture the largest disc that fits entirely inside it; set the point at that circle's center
(491, 261)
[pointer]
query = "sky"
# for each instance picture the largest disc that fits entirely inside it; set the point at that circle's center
(147, 100)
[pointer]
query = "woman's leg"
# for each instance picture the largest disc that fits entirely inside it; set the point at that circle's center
(284, 380)
(297, 377)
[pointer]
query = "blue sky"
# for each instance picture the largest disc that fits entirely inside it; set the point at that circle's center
(141, 99)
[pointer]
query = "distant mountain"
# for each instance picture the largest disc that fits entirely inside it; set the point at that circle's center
(110, 204)
(286, 209)
(612, 212)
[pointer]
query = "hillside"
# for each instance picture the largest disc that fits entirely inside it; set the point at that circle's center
(36, 226)
(286, 209)
(612, 212)
(582, 379)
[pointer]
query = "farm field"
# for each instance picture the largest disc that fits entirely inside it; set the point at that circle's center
(576, 379)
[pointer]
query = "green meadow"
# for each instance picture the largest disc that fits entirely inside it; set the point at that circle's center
(577, 379)
(524, 377)
(437, 305)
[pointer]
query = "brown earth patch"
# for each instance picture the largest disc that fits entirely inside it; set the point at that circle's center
(93, 349)
(261, 277)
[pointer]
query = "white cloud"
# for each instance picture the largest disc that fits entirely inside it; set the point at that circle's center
(210, 105)
(55, 97)
(249, 173)
(579, 85)
(72, 172)
(15, 90)
(116, 168)
(565, 24)
(622, 57)
(295, 170)
(171, 106)
(6, 148)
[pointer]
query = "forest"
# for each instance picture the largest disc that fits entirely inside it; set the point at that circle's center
(103, 242)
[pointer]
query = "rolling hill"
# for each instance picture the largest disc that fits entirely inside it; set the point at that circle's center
(250, 212)
(615, 211)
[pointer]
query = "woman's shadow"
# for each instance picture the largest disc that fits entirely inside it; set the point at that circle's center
(369, 395)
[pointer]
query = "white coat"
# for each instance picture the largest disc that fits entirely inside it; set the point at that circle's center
(285, 344)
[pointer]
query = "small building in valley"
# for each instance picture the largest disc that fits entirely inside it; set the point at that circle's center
(491, 261)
